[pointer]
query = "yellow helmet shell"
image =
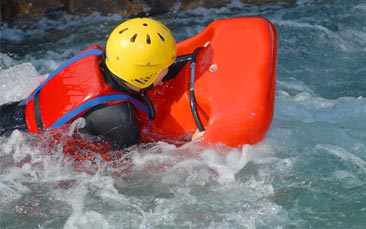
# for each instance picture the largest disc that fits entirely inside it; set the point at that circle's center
(139, 49)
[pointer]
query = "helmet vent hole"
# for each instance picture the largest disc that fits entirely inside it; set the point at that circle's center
(120, 32)
(161, 37)
(148, 40)
(133, 38)
(144, 24)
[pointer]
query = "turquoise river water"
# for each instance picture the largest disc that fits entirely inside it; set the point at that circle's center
(308, 172)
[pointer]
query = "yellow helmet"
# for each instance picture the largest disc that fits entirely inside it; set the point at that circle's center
(139, 49)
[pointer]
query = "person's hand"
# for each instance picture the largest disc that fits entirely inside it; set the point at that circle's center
(198, 134)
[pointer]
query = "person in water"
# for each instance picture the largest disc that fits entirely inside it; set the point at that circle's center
(107, 87)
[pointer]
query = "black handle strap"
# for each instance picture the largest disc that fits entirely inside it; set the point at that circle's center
(192, 97)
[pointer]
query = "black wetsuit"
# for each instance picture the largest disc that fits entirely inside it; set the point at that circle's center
(12, 117)
(119, 123)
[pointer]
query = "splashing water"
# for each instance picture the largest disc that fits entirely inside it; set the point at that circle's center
(309, 171)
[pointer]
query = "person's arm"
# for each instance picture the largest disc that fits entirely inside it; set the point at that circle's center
(12, 116)
(119, 124)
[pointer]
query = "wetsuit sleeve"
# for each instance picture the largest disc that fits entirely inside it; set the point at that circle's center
(12, 116)
(119, 124)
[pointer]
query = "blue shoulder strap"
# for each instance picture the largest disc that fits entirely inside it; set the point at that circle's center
(96, 101)
(63, 66)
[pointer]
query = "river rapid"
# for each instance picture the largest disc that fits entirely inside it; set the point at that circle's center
(308, 172)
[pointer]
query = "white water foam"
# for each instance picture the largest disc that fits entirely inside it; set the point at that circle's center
(17, 82)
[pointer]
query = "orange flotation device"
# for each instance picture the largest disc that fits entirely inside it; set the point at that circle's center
(234, 85)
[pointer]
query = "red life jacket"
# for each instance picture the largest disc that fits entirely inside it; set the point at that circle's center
(71, 90)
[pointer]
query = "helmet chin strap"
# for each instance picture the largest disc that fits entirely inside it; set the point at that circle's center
(149, 103)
